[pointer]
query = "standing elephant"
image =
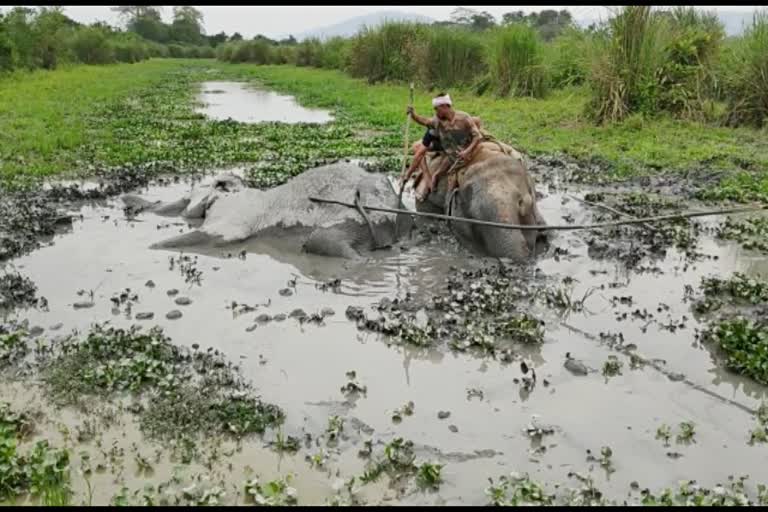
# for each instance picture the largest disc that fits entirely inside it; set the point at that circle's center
(494, 187)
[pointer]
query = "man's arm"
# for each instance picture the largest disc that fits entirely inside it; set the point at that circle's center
(476, 138)
(423, 121)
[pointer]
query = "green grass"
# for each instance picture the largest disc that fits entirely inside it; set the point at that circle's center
(44, 113)
(551, 125)
(121, 114)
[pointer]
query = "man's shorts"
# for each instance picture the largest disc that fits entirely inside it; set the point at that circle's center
(431, 140)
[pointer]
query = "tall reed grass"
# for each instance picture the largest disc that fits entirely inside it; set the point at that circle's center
(515, 61)
(745, 76)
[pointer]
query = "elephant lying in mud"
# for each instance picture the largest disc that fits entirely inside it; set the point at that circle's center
(234, 213)
(495, 187)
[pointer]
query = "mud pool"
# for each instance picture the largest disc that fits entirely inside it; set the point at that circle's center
(301, 367)
(245, 103)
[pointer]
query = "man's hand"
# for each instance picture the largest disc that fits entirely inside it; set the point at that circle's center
(464, 154)
(410, 111)
(433, 183)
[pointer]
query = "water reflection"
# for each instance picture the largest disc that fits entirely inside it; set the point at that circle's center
(245, 103)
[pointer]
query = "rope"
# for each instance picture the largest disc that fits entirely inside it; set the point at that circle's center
(556, 227)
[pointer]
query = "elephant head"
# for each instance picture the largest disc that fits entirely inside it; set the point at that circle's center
(498, 190)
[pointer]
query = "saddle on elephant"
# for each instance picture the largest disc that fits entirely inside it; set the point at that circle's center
(489, 147)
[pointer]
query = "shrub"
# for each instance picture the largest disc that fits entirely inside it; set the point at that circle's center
(569, 57)
(89, 44)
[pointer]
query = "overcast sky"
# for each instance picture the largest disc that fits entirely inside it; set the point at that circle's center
(278, 21)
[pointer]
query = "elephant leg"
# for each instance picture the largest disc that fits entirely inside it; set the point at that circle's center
(330, 242)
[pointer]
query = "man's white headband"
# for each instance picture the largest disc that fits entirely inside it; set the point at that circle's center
(441, 100)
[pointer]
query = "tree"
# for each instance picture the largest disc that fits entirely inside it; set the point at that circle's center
(49, 30)
(149, 25)
(236, 37)
(132, 12)
(473, 19)
(187, 26)
(291, 41)
(549, 23)
(217, 39)
(513, 17)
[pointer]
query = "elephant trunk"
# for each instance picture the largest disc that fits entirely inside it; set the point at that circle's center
(502, 242)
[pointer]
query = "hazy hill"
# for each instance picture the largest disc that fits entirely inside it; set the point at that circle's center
(351, 26)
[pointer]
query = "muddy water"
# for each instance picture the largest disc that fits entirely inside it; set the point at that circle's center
(245, 103)
(302, 368)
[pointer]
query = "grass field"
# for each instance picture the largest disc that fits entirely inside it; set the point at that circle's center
(130, 113)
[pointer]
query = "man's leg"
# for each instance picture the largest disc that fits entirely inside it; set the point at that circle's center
(419, 151)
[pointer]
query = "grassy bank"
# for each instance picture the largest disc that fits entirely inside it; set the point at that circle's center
(47, 115)
(142, 112)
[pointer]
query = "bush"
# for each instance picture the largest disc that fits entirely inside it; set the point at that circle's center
(515, 62)
(334, 53)
(175, 51)
(745, 76)
(89, 44)
(569, 57)
(308, 53)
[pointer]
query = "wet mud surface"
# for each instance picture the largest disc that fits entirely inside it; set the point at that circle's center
(285, 317)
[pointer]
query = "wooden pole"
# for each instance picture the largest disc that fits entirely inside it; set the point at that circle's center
(554, 227)
(405, 152)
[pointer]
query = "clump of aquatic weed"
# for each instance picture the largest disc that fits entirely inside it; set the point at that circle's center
(751, 233)
(43, 472)
(398, 462)
(739, 286)
(274, 493)
(760, 433)
(745, 344)
(515, 490)
(17, 291)
(612, 367)
(13, 345)
(689, 493)
(188, 391)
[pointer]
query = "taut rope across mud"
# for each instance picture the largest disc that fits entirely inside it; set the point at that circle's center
(552, 227)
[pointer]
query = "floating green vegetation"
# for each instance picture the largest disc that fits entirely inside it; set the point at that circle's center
(739, 286)
(687, 432)
(13, 345)
(398, 462)
(516, 490)
(17, 291)
(43, 472)
(276, 493)
(664, 433)
(612, 367)
(760, 433)
(20, 423)
(188, 391)
(745, 344)
(689, 493)
(751, 232)
(428, 475)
